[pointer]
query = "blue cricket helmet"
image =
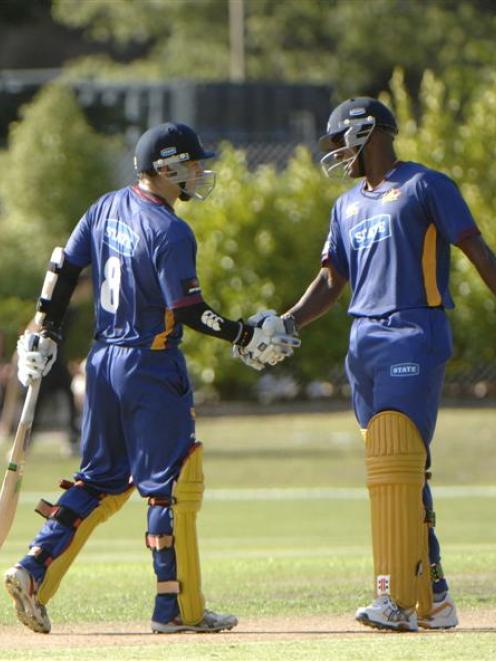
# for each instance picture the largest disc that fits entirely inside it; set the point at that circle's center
(351, 112)
(168, 143)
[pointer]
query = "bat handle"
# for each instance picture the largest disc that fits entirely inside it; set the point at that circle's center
(29, 407)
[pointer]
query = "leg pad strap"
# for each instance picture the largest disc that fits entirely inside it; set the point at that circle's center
(160, 501)
(68, 484)
(430, 518)
(168, 587)
(64, 515)
(159, 542)
(437, 573)
(42, 556)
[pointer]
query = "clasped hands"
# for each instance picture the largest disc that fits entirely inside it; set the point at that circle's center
(274, 339)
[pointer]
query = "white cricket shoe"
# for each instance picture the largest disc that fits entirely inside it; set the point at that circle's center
(443, 615)
(24, 592)
(210, 623)
(384, 613)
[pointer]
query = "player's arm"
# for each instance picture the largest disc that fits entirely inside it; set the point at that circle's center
(60, 281)
(482, 257)
(255, 344)
(37, 347)
(264, 343)
(320, 296)
(202, 318)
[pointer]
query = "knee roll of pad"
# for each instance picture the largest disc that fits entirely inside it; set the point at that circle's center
(396, 456)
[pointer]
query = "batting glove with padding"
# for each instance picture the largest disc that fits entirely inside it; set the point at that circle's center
(274, 339)
(36, 355)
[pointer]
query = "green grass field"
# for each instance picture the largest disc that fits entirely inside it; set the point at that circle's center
(284, 534)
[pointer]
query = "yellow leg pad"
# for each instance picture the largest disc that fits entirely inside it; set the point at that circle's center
(56, 571)
(188, 495)
(396, 458)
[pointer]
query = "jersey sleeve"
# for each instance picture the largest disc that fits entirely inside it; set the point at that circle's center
(176, 268)
(78, 247)
(447, 208)
(333, 250)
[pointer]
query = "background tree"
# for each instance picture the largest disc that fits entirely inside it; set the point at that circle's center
(260, 234)
(463, 145)
(260, 237)
(355, 44)
(56, 165)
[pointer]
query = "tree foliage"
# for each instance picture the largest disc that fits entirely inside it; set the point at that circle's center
(54, 167)
(457, 135)
(355, 44)
(260, 233)
(260, 237)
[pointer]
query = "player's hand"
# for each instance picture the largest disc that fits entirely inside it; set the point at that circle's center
(274, 339)
(283, 336)
(281, 330)
(35, 356)
(242, 354)
(260, 317)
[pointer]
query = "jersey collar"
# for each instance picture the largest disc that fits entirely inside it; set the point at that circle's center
(154, 198)
(378, 188)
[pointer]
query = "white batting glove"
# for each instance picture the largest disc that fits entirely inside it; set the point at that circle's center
(242, 354)
(260, 317)
(278, 328)
(271, 342)
(35, 356)
(283, 338)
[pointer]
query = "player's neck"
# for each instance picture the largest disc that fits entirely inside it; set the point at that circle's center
(160, 188)
(379, 168)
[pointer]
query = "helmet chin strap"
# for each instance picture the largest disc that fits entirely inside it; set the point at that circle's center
(361, 163)
(183, 195)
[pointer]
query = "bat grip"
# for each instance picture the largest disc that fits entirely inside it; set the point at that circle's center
(29, 407)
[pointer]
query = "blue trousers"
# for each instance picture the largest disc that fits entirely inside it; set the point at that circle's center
(397, 363)
(138, 426)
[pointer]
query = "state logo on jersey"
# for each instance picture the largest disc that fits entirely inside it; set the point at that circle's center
(371, 230)
(404, 369)
(120, 237)
(391, 196)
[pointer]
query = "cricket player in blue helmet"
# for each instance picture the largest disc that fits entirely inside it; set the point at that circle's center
(138, 423)
(390, 238)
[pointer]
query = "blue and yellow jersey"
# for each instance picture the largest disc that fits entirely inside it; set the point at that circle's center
(393, 243)
(143, 261)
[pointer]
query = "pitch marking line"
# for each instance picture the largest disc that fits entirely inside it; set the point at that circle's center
(356, 493)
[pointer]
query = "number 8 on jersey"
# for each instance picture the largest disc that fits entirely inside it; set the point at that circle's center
(109, 291)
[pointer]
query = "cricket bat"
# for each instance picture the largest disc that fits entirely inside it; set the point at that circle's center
(13, 476)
